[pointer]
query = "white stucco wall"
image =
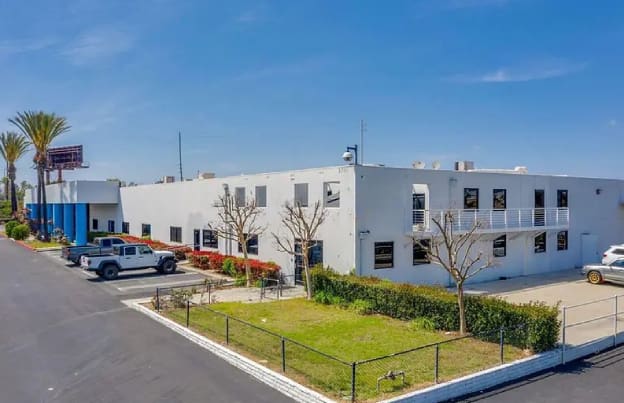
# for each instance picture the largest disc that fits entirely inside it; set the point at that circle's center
(190, 205)
(384, 207)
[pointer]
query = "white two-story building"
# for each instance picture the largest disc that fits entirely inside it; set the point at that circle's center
(530, 223)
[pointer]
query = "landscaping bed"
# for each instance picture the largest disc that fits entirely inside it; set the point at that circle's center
(314, 333)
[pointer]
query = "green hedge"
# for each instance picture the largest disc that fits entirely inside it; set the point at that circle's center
(20, 232)
(534, 325)
(8, 228)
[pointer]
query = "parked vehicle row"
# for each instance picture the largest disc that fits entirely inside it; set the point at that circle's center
(611, 268)
(129, 257)
(98, 246)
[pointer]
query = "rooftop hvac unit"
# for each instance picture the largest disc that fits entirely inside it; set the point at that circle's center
(464, 165)
(418, 165)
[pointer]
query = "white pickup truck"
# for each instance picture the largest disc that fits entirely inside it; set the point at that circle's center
(129, 257)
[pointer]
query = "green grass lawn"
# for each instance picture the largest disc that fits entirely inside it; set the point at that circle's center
(347, 336)
(40, 245)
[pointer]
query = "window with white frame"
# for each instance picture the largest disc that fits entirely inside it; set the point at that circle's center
(261, 196)
(239, 196)
(332, 194)
(301, 194)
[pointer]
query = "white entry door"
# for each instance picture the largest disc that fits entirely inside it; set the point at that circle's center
(589, 249)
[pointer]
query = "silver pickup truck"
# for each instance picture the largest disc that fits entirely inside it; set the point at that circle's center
(129, 257)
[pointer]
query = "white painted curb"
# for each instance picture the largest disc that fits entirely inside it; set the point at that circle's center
(275, 380)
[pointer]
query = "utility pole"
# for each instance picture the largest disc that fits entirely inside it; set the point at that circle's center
(362, 130)
(180, 155)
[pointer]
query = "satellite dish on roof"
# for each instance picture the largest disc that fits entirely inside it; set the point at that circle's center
(418, 164)
(436, 165)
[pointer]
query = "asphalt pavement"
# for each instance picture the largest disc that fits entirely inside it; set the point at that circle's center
(66, 339)
(594, 379)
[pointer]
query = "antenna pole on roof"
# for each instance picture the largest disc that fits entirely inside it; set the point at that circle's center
(180, 155)
(362, 130)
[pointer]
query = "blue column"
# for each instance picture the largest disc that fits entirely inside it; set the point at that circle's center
(34, 214)
(68, 221)
(57, 216)
(81, 224)
(29, 207)
(50, 212)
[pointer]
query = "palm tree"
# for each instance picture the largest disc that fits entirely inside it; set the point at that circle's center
(12, 147)
(41, 129)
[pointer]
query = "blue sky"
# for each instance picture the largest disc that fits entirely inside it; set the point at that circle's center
(260, 86)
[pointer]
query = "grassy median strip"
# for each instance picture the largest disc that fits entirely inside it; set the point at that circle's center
(348, 337)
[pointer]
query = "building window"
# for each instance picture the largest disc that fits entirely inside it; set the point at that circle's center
(146, 230)
(111, 226)
(210, 239)
(499, 199)
(471, 198)
(540, 243)
(332, 194)
(252, 245)
(539, 215)
(562, 240)
(418, 208)
(499, 246)
(175, 234)
(562, 198)
(420, 252)
(261, 197)
(239, 197)
(95, 223)
(301, 194)
(315, 257)
(384, 255)
(125, 227)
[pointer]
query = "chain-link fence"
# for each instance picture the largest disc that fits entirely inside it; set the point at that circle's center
(362, 380)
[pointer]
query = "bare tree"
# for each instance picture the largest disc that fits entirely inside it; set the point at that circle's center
(301, 226)
(457, 252)
(238, 222)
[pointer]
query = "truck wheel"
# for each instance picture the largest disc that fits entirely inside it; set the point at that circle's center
(109, 272)
(168, 267)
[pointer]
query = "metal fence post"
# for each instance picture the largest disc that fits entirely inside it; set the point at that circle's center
(502, 345)
(283, 355)
(436, 366)
(157, 299)
(227, 329)
(615, 319)
(353, 381)
(188, 312)
(563, 336)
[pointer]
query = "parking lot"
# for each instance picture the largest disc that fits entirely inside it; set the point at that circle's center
(131, 284)
(567, 288)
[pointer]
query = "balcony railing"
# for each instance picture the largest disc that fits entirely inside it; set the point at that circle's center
(492, 220)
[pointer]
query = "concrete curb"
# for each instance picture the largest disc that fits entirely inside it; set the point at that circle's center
(265, 375)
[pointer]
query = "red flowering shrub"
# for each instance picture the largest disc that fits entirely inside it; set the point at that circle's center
(214, 261)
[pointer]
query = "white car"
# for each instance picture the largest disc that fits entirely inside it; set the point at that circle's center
(614, 252)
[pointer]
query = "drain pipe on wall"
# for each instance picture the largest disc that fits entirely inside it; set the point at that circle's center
(362, 236)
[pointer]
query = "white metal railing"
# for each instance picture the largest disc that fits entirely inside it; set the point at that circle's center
(493, 219)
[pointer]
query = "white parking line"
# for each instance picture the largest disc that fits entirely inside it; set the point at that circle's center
(169, 284)
(148, 276)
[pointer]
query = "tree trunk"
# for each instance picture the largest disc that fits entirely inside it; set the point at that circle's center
(39, 209)
(306, 270)
(44, 206)
(13, 192)
(247, 267)
(462, 308)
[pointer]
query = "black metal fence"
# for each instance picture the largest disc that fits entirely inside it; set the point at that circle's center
(347, 380)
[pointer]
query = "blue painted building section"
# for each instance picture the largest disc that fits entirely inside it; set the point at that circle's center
(81, 224)
(69, 212)
(50, 212)
(57, 216)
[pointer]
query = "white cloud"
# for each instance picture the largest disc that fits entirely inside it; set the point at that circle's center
(299, 67)
(10, 47)
(98, 45)
(510, 75)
